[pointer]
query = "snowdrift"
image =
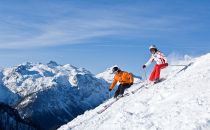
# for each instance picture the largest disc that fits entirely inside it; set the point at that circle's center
(181, 102)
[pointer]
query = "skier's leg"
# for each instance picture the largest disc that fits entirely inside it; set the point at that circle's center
(158, 70)
(152, 76)
(117, 92)
(122, 90)
(163, 66)
(128, 86)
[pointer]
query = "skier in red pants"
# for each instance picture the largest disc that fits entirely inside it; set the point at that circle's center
(161, 61)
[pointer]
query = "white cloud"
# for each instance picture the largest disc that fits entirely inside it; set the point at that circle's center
(57, 32)
(81, 26)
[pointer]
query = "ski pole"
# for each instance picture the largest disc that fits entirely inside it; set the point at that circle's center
(145, 74)
(109, 94)
(177, 65)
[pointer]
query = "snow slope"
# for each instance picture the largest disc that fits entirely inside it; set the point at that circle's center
(181, 102)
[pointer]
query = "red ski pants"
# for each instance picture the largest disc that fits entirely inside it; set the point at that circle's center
(156, 71)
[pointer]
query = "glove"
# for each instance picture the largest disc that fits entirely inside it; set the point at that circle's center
(166, 64)
(144, 66)
(110, 90)
(131, 84)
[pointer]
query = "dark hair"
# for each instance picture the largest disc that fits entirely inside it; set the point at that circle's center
(154, 49)
(116, 69)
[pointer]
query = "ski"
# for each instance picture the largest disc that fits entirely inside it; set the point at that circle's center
(134, 91)
(105, 107)
(159, 81)
(111, 103)
(126, 94)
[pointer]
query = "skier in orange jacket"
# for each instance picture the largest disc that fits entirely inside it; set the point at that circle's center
(124, 78)
(161, 63)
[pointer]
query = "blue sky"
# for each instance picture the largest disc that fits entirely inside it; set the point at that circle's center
(96, 34)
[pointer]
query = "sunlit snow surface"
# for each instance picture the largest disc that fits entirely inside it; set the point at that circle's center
(181, 102)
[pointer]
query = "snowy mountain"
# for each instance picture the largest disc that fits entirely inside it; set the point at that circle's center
(181, 102)
(107, 75)
(50, 95)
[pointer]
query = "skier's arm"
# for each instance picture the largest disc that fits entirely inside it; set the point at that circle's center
(150, 61)
(113, 83)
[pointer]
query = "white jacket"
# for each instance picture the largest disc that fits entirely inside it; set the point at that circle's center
(159, 57)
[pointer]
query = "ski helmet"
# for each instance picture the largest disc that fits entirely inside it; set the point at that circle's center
(115, 69)
(152, 47)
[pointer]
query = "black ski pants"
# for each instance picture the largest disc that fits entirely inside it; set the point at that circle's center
(121, 89)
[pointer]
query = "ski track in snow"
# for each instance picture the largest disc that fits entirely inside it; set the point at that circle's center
(181, 102)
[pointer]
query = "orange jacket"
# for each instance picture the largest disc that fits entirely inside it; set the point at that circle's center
(123, 77)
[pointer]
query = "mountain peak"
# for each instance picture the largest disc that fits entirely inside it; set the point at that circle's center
(107, 75)
(52, 64)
